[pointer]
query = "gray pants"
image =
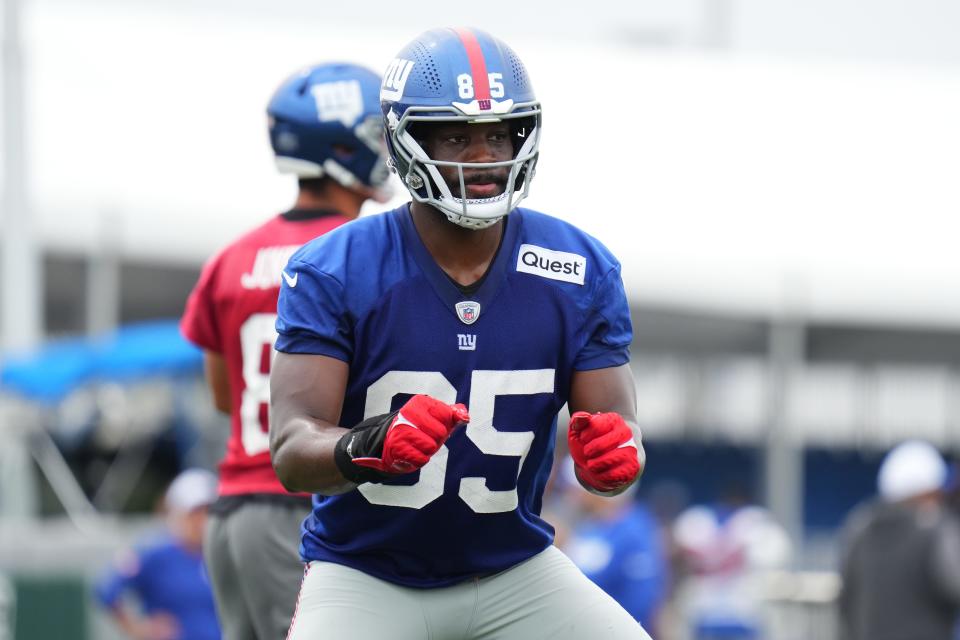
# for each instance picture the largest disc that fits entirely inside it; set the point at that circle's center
(255, 568)
(546, 597)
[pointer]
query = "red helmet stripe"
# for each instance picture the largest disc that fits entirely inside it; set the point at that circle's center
(478, 66)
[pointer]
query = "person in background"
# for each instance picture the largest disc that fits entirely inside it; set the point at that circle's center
(726, 549)
(166, 576)
(900, 558)
(325, 128)
(953, 504)
(617, 543)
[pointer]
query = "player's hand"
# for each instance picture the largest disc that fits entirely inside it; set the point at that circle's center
(603, 449)
(417, 432)
(159, 626)
(405, 441)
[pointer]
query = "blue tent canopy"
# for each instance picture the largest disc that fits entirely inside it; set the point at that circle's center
(130, 353)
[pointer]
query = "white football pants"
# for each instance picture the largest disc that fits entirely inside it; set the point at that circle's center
(545, 597)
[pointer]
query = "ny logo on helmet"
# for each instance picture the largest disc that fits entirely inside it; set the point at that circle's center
(395, 79)
(341, 100)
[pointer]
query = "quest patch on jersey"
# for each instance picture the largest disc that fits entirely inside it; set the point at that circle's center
(556, 265)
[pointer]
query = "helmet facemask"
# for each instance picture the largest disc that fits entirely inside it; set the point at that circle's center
(423, 179)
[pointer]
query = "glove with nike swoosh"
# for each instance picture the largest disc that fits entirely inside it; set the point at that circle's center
(399, 442)
(603, 449)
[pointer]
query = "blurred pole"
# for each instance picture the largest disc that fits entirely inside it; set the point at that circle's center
(8, 607)
(103, 279)
(783, 456)
(22, 288)
(717, 24)
(19, 498)
(21, 284)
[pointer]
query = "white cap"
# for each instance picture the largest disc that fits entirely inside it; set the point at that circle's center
(191, 489)
(912, 468)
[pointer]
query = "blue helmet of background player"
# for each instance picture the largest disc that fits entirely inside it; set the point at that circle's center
(459, 75)
(325, 121)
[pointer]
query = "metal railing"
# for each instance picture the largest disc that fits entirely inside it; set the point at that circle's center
(801, 605)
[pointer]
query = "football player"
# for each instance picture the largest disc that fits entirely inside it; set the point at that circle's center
(325, 128)
(423, 357)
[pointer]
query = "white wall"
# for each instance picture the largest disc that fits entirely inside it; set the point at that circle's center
(731, 181)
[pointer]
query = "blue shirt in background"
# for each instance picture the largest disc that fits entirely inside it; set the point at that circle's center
(165, 578)
(625, 557)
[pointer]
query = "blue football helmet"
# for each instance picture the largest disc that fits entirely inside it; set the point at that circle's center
(325, 121)
(462, 75)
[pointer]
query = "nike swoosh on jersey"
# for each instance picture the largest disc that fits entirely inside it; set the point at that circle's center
(291, 281)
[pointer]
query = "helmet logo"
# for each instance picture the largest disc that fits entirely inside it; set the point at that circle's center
(395, 79)
(485, 107)
(468, 311)
(338, 101)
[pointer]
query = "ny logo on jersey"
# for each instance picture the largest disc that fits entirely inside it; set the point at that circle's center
(467, 342)
(267, 266)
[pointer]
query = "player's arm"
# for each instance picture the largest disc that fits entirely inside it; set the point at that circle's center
(312, 453)
(306, 397)
(218, 379)
(157, 626)
(124, 579)
(946, 559)
(603, 434)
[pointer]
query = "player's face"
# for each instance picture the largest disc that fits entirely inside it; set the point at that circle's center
(190, 526)
(471, 143)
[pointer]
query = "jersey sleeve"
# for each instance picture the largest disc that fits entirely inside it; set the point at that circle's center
(608, 331)
(122, 576)
(312, 315)
(199, 322)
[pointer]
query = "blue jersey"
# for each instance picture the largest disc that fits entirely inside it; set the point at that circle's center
(370, 294)
(625, 557)
(165, 578)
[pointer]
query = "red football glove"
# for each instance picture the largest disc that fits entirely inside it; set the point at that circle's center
(603, 449)
(417, 432)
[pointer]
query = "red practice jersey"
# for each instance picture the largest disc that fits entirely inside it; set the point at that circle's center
(232, 311)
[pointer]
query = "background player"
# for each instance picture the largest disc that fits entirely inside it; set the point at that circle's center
(449, 334)
(900, 559)
(325, 128)
(165, 576)
(617, 543)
